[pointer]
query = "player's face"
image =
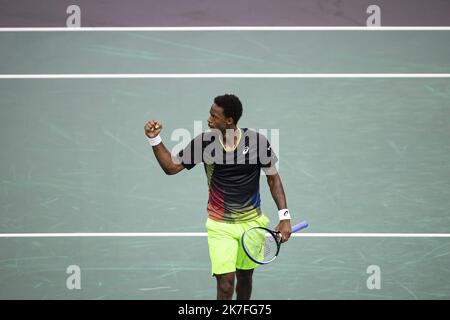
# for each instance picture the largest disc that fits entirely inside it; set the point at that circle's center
(216, 119)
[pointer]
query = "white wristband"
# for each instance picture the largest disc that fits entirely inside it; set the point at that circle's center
(154, 141)
(284, 214)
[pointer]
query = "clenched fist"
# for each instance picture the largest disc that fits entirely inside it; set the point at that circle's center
(152, 128)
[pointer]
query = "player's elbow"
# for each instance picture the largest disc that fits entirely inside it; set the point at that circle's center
(173, 169)
(169, 171)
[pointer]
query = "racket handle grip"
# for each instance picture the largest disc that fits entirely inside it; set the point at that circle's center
(300, 226)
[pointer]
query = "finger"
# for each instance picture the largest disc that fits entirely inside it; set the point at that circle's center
(287, 236)
(284, 237)
(154, 125)
(279, 236)
(148, 127)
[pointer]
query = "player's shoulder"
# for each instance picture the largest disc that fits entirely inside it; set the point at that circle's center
(252, 133)
(249, 131)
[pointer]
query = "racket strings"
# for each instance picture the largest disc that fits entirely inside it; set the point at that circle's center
(270, 247)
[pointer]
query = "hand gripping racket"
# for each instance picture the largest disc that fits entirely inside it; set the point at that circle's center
(262, 245)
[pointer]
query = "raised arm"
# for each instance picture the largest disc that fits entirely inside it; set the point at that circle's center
(152, 129)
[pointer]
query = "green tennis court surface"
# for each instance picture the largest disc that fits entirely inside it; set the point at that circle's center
(356, 155)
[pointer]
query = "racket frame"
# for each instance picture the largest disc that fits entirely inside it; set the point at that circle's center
(272, 233)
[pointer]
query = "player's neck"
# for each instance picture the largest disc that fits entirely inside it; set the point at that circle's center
(231, 137)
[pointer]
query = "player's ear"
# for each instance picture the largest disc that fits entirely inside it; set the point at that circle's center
(229, 121)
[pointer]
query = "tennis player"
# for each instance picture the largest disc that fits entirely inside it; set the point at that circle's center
(233, 158)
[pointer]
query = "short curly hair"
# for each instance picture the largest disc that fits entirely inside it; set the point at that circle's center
(231, 105)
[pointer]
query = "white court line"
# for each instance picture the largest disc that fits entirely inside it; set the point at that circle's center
(220, 75)
(204, 234)
(228, 28)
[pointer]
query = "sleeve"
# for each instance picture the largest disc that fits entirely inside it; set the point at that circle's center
(266, 156)
(192, 153)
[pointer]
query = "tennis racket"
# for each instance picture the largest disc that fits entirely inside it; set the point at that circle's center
(262, 245)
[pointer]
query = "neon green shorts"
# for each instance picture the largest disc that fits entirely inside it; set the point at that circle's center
(225, 249)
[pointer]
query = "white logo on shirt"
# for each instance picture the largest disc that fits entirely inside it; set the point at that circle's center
(245, 151)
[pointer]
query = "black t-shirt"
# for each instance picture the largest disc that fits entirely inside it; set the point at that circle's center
(233, 176)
